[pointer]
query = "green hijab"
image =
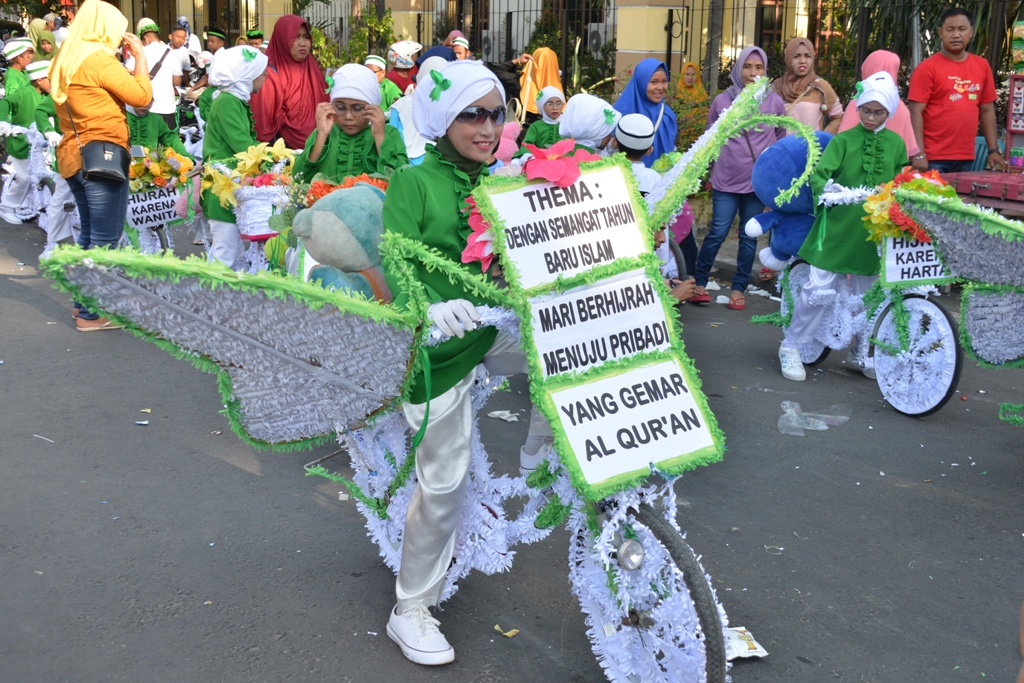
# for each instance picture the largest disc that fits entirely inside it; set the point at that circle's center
(37, 33)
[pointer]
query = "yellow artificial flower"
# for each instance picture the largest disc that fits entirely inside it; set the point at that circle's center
(250, 160)
(223, 187)
(280, 151)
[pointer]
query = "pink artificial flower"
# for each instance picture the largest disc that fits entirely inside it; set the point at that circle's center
(480, 243)
(554, 164)
(264, 180)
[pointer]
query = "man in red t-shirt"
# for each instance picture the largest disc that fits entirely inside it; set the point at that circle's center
(949, 92)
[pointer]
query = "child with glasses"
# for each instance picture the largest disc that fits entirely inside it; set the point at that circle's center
(352, 136)
(868, 155)
(461, 107)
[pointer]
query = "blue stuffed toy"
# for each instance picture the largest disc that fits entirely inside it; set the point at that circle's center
(342, 231)
(774, 171)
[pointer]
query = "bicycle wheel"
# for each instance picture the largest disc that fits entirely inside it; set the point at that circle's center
(923, 378)
(815, 352)
(659, 623)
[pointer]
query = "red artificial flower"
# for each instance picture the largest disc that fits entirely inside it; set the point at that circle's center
(480, 243)
(554, 164)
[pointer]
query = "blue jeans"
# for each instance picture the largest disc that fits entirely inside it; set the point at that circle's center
(954, 166)
(103, 208)
(724, 206)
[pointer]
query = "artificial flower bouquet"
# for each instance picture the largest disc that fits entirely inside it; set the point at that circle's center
(885, 217)
(166, 169)
(255, 184)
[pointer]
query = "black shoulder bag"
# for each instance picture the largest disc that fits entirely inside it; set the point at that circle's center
(102, 159)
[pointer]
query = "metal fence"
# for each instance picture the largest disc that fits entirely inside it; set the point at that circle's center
(582, 34)
(235, 17)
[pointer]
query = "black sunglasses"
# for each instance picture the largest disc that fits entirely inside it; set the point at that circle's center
(477, 115)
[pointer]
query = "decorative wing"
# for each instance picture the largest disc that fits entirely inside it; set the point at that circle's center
(295, 362)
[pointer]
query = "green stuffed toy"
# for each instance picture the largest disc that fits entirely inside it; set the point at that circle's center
(343, 231)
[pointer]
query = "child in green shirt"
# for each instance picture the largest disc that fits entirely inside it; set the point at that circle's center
(544, 133)
(236, 74)
(150, 130)
(352, 136)
(389, 92)
(17, 108)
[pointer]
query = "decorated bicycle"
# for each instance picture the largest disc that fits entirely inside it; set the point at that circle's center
(299, 365)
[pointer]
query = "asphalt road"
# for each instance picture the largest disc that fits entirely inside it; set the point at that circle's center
(173, 552)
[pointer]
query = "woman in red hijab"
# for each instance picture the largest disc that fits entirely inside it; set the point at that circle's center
(285, 106)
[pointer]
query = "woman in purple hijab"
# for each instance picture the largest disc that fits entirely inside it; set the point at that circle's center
(732, 191)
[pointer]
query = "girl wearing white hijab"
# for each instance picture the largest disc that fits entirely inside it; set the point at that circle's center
(401, 113)
(352, 136)
(544, 133)
(867, 155)
(590, 121)
(236, 74)
(462, 108)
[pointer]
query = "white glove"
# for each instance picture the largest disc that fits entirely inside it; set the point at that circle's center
(832, 187)
(455, 317)
(753, 228)
(53, 138)
(5, 128)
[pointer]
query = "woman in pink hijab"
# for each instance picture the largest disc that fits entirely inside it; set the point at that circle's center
(883, 60)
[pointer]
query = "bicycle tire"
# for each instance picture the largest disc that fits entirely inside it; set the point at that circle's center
(700, 592)
(912, 376)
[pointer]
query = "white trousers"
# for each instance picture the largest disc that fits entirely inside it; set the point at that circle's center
(442, 473)
(806, 317)
(227, 243)
(17, 187)
(60, 222)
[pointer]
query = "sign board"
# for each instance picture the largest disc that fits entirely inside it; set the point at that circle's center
(552, 231)
(151, 208)
(607, 363)
(909, 262)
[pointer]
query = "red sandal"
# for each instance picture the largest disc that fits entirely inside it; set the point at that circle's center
(704, 298)
(737, 304)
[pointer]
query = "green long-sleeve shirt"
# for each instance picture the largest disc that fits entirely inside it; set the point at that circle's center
(853, 158)
(151, 132)
(389, 92)
(229, 130)
(347, 155)
(47, 120)
(18, 107)
(425, 203)
(541, 134)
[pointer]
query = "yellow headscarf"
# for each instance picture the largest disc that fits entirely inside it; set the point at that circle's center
(97, 26)
(35, 27)
(695, 92)
(538, 74)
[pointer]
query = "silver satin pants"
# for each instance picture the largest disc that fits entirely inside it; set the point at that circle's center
(442, 472)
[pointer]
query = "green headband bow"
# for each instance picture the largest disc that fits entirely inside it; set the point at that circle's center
(540, 94)
(858, 91)
(609, 116)
(248, 54)
(440, 84)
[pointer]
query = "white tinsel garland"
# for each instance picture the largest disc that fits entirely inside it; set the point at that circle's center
(994, 322)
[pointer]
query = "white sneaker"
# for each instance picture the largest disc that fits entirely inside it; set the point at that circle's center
(10, 218)
(48, 251)
(416, 632)
(528, 463)
(792, 366)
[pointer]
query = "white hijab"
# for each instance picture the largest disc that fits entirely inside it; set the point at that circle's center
(235, 69)
(880, 88)
(461, 84)
(549, 92)
(588, 120)
(356, 82)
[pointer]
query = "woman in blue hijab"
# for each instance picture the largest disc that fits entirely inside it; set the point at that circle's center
(645, 94)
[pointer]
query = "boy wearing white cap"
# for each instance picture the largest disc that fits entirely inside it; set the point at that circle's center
(389, 92)
(634, 137)
(60, 213)
(17, 108)
(867, 155)
(352, 136)
(460, 46)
